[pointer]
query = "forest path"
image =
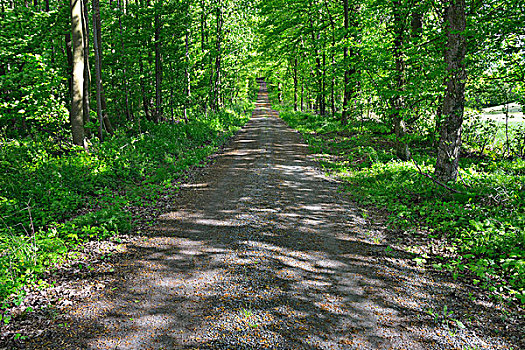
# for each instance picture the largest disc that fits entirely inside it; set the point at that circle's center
(263, 252)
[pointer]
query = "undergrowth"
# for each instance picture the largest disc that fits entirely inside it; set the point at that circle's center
(483, 224)
(54, 197)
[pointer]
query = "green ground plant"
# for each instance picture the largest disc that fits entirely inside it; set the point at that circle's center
(55, 197)
(482, 217)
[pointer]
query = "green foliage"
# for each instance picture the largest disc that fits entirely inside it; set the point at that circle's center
(97, 225)
(446, 318)
(484, 224)
(479, 133)
(54, 196)
(53, 199)
(31, 85)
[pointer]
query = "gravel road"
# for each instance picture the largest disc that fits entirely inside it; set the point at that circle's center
(263, 251)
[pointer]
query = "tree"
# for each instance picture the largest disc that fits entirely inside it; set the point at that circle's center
(398, 100)
(218, 55)
(87, 71)
(454, 100)
(101, 98)
(77, 86)
(347, 93)
(158, 62)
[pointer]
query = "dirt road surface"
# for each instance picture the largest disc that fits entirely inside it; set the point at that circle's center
(262, 251)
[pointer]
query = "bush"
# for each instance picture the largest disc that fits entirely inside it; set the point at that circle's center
(51, 201)
(484, 224)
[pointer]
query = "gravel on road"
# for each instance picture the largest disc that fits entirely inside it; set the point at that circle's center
(261, 251)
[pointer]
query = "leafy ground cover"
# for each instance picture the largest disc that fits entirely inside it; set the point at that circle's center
(495, 131)
(54, 198)
(481, 219)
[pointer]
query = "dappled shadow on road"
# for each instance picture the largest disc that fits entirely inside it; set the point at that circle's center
(263, 252)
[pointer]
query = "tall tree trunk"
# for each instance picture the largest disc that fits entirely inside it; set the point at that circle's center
(346, 81)
(97, 42)
(302, 94)
(142, 83)
(203, 26)
(69, 54)
(188, 76)
(124, 72)
(454, 101)
(218, 57)
(98, 74)
(295, 87)
(158, 67)
(145, 99)
(317, 72)
(77, 45)
(398, 101)
(87, 72)
(351, 83)
(332, 56)
(417, 20)
(332, 86)
(323, 84)
(204, 44)
(212, 97)
(171, 103)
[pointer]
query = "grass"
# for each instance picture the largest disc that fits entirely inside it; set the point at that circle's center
(486, 131)
(484, 225)
(54, 198)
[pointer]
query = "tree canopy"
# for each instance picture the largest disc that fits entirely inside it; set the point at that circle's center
(82, 83)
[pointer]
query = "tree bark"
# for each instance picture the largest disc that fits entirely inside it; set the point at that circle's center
(332, 56)
(346, 81)
(332, 83)
(69, 54)
(122, 7)
(101, 98)
(318, 74)
(218, 57)
(87, 72)
(77, 46)
(188, 76)
(142, 82)
(295, 87)
(323, 89)
(302, 94)
(417, 20)
(158, 67)
(398, 101)
(98, 75)
(203, 26)
(145, 99)
(454, 100)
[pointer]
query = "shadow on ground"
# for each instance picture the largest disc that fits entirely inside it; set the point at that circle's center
(263, 252)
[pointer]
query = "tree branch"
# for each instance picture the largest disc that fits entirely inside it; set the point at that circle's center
(437, 182)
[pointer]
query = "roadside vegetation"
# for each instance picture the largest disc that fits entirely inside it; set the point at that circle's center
(416, 106)
(103, 106)
(54, 200)
(481, 217)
